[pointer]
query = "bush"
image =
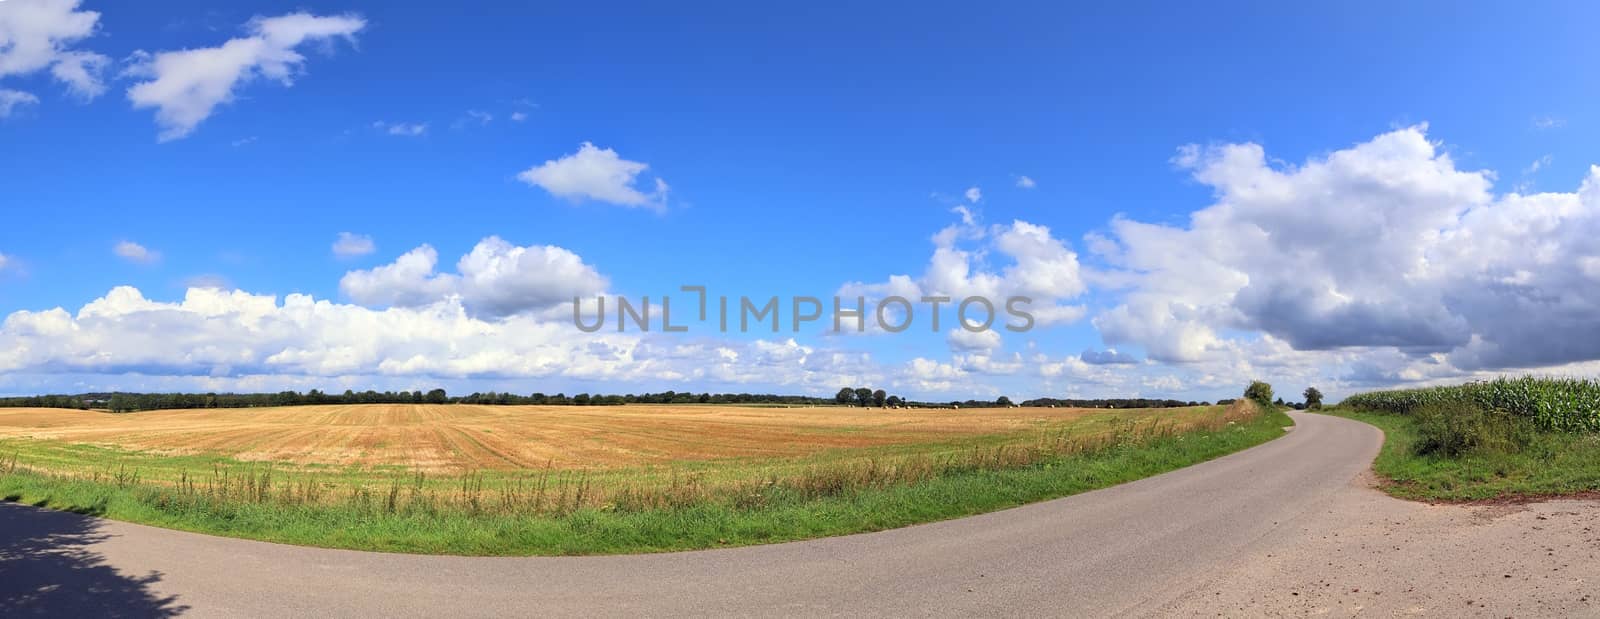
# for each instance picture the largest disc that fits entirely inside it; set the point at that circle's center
(1452, 428)
(1260, 392)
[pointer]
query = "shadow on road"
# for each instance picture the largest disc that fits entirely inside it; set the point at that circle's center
(47, 568)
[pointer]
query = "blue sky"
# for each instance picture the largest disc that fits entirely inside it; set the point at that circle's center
(805, 148)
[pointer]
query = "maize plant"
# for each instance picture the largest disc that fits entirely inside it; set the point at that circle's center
(1562, 404)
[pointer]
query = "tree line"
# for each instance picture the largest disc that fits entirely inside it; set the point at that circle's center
(124, 402)
(847, 396)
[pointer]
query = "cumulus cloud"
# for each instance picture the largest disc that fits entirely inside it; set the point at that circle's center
(962, 340)
(519, 116)
(1034, 264)
(186, 86)
(36, 35)
(227, 339)
(350, 245)
(1025, 182)
(1383, 245)
(597, 174)
(134, 252)
(495, 279)
(973, 194)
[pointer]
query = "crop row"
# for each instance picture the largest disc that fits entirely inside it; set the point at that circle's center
(1563, 404)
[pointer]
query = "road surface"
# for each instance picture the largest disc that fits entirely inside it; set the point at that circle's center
(1131, 549)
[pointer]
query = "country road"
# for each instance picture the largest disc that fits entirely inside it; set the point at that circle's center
(1155, 546)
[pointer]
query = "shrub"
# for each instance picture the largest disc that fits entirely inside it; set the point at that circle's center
(1452, 428)
(1260, 392)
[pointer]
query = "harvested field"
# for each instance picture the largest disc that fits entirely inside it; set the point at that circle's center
(457, 438)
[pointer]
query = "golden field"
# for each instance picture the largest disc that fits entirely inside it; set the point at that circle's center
(459, 437)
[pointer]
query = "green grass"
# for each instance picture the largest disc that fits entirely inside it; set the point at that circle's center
(838, 498)
(1551, 464)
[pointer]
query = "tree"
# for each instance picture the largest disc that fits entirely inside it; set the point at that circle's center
(438, 396)
(864, 396)
(1313, 398)
(845, 395)
(1003, 402)
(1260, 392)
(879, 397)
(895, 401)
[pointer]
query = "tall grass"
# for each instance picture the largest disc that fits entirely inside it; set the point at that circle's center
(1560, 404)
(558, 511)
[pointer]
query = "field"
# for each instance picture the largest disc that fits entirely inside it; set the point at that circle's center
(458, 438)
(466, 479)
(1510, 438)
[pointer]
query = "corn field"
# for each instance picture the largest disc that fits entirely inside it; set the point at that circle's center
(1561, 404)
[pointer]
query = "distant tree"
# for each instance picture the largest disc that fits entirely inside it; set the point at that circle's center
(879, 397)
(581, 399)
(845, 395)
(895, 401)
(1260, 392)
(437, 396)
(1003, 402)
(1313, 398)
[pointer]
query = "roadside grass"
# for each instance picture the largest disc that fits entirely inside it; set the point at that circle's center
(1545, 463)
(568, 512)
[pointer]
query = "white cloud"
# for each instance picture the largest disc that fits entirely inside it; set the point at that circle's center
(349, 245)
(11, 99)
(962, 340)
(1538, 164)
(480, 117)
(401, 129)
(1035, 265)
(134, 252)
(229, 339)
(596, 174)
(246, 141)
(1383, 246)
(1025, 182)
(186, 86)
(1548, 122)
(208, 281)
(4, 260)
(973, 195)
(1109, 356)
(495, 279)
(518, 116)
(36, 35)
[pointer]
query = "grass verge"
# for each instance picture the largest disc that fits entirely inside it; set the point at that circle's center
(1548, 464)
(859, 498)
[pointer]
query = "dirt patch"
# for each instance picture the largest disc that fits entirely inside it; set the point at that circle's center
(1364, 553)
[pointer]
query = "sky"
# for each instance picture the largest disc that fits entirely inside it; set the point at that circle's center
(265, 196)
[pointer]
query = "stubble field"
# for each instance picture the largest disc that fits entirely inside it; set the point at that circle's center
(456, 438)
(496, 480)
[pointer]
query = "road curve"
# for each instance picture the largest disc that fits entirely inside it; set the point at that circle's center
(1128, 549)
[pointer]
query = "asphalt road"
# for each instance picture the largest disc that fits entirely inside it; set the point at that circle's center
(1131, 549)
